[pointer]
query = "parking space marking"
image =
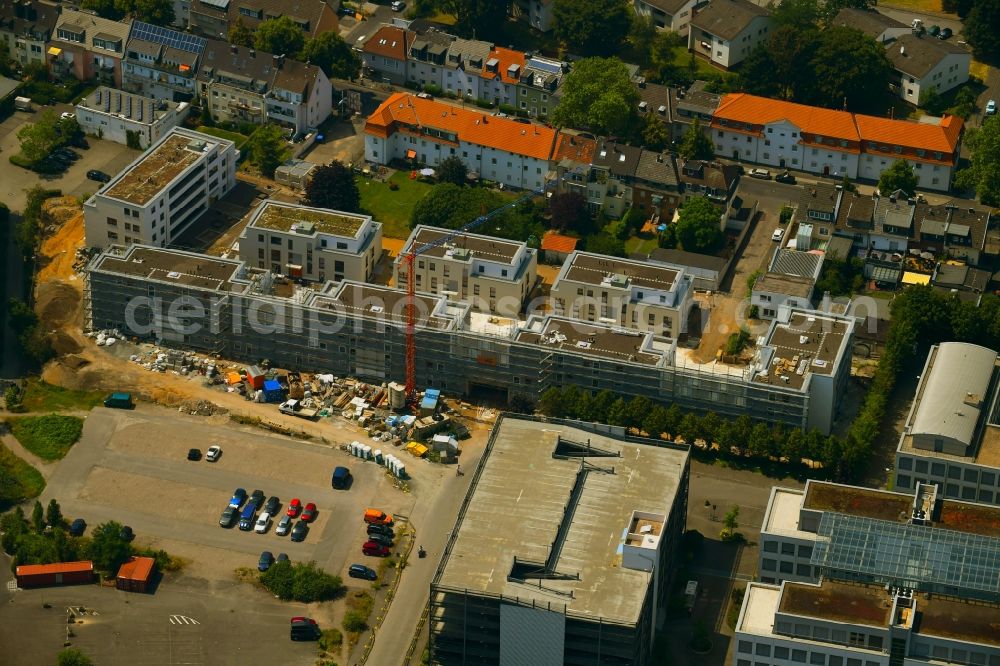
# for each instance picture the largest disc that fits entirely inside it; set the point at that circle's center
(12, 586)
(183, 619)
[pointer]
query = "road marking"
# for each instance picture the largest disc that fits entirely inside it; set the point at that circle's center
(12, 586)
(183, 619)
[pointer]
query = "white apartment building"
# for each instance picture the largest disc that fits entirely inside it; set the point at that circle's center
(536, 13)
(425, 131)
(115, 114)
(491, 274)
(726, 32)
(672, 15)
(159, 195)
(926, 63)
(788, 282)
(622, 292)
(311, 243)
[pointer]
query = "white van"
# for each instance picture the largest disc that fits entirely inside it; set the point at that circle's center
(263, 522)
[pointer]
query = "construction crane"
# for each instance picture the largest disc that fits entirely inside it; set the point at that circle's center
(409, 260)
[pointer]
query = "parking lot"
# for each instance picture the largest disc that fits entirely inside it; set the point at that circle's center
(102, 155)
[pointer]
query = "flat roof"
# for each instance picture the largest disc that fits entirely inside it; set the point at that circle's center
(760, 602)
(837, 602)
(595, 268)
(481, 247)
(970, 518)
(855, 501)
(783, 513)
(279, 216)
(524, 500)
(959, 620)
(156, 168)
(383, 303)
(790, 285)
(591, 339)
(194, 270)
(808, 343)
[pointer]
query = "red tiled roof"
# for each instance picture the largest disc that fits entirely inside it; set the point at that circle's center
(558, 243)
(58, 567)
(941, 137)
(507, 57)
(574, 147)
(389, 42)
(744, 108)
(530, 140)
(137, 568)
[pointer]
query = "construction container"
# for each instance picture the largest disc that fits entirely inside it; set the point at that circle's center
(272, 391)
(416, 449)
(255, 377)
(60, 573)
(377, 455)
(136, 574)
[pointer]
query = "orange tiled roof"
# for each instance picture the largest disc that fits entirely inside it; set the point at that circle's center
(389, 42)
(744, 108)
(574, 147)
(558, 243)
(475, 127)
(507, 57)
(57, 567)
(941, 137)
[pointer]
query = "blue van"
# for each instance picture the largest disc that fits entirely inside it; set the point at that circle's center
(247, 518)
(341, 477)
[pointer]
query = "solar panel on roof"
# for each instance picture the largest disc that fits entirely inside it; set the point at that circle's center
(550, 67)
(168, 37)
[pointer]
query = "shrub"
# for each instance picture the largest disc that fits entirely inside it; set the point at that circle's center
(331, 640)
(355, 622)
(48, 437)
(303, 582)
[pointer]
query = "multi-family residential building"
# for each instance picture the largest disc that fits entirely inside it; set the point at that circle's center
(490, 274)
(313, 244)
(240, 84)
(571, 159)
(674, 15)
(161, 63)
(407, 127)
(463, 63)
(726, 32)
(536, 13)
(539, 86)
(623, 292)
(678, 108)
(878, 26)
(834, 143)
(587, 555)
(951, 437)
(212, 19)
(427, 53)
(117, 115)
(26, 26)
(924, 64)
(612, 175)
(88, 47)
(656, 190)
(787, 283)
(859, 577)
(501, 75)
(384, 56)
(708, 179)
(154, 199)
(706, 270)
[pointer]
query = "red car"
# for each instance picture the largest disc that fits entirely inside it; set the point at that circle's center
(294, 507)
(309, 514)
(376, 549)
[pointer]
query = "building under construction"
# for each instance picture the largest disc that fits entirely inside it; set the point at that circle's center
(213, 305)
(564, 550)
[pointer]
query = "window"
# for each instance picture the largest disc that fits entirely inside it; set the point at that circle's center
(762, 650)
(785, 567)
(769, 564)
(788, 549)
(817, 658)
(770, 546)
(746, 647)
(799, 656)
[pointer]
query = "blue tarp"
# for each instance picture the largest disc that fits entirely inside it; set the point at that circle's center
(272, 385)
(432, 393)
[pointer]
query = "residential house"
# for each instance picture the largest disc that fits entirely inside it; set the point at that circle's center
(697, 102)
(957, 230)
(834, 143)
(924, 63)
(161, 63)
(708, 179)
(878, 26)
(706, 270)
(426, 131)
(536, 13)
(654, 100)
(491, 274)
(384, 55)
(26, 26)
(213, 19)
(501, 75)
(540, 86)
(243, 85)
(788, 282)
(463, 64)
(428, 52)
(726, 32)
(88, 47)
(114, 115)
(557, 247)
(955, 277)
(571, 161)
(655, 188)
(612, 174)
(674, 15)
(815, 216)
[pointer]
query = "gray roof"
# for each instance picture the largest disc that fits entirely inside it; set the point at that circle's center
(697, 99)
(670, 7)
(655, 96)
(242, 65)
(657, 168)
(36, 19)
(789, 285)
(917, 56)
(619, 158)
(954, 370)
(727, 18)
(463, 51)
(708, 175)
(795, 262)
(871, 23)
(693, 259)
(91, 24)
(132, 106)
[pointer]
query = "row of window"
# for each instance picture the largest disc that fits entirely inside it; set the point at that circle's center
(796, 656)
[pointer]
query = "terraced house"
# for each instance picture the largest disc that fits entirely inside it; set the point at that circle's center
(88, 47)
(25, 29)
(161, 63)
(212, 19)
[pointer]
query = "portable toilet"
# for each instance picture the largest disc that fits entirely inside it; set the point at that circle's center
(378, 456)
(366, 451)
(401, 471)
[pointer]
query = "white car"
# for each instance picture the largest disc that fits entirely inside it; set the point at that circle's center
(213, 453)
(778, 234)
(263, 522)
(66, 115)
(991, 107)
(398, 6)
(760, 173)
(284, 525)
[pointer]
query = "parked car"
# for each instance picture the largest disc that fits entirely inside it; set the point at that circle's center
(340, 478)
(265, 562)
(67, 154)
(381, 539)
(945, 33)
(375, 549)
(300, 531)
(378, 517)
(786, 178)
(194, 454)
(257, 497)
(66, 115)
(229, 516)
(934, 31)
(309, 513)
(398, 6)
(778, 234)
(361, 571)
(304, 629)
(380, 529)
(294, 507)
(99, 176)
(760, 173)
(239, 496)
(126, 534)
(263, 522)
(78, 527)
(248, 517)
(79, 141)
(272, 505)
(282, 558)
(284, 526)
(991, 107)
(213, 453)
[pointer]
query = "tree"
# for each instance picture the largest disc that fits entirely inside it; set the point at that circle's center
(550, 403)
(598, 94)
(157, 12)
(38, 517)
(266, 149)
(104, 8)
(240, 34)
(983, 173)
(313, 584)
(655, 423)
(606, 244)
(848, 68)
(40, 138)
(107, 549)
(450, 206)
(798, 14)
(641, 37)
(980, 30)
(476, 19)
(698, 226)
(279, 580)
(591, 27)
(663, 59)
(333, 55)
(72, 657)
(279, 36)
(731, 519)
(452, 170)
(618, 413)
(932, 102)
(695, 144)
(654, 133)
(638, 408)
(899, 176)
(333, 186)
(568, 211)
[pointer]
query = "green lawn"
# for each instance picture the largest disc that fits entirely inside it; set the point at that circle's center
(235, 137)
(48, 437)
(393, 208)
(638, 244)
(18, 480)
(40, 396)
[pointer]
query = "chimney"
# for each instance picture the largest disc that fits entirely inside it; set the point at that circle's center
(278, 60)
(253, 53)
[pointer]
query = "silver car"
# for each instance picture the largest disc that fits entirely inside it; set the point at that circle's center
(284, 525)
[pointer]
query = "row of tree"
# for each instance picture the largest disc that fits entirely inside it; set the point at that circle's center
(283, 36)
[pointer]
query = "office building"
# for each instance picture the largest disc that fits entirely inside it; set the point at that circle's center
(115, 115)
